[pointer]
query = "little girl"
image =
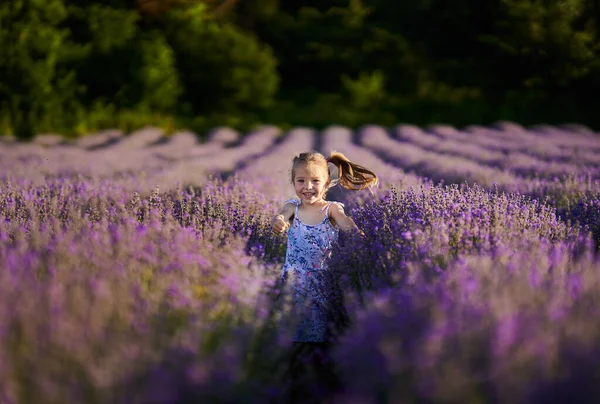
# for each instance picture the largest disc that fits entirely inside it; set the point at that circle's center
(313, 224)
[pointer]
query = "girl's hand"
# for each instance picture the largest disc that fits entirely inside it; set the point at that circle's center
(279, 224)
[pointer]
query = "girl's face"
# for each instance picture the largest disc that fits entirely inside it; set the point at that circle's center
(310, 182)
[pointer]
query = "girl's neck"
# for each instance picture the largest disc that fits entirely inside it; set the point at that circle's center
(312, 214)
(317, 205)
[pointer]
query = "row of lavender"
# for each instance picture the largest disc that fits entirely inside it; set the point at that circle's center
(140, 161)
(513, 166)
(112, 297)
(104, 292)
(460, 293)
(542, 161)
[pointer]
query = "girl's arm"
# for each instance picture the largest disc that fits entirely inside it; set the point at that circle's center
(281, 221)
(344, 222)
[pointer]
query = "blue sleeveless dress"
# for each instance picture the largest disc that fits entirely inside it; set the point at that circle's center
(308, 248)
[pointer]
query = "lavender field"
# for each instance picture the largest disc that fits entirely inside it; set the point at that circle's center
(141, 268)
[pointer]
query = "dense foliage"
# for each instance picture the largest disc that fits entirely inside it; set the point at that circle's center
(77, 66)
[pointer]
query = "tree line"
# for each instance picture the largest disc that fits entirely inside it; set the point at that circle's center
(77, 66)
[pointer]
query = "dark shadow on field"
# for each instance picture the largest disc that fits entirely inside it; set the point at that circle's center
(244, 163)
(108, 143)
(270, 372)
(579, 381)
(311, 374)
(339, 194)
(104, 139)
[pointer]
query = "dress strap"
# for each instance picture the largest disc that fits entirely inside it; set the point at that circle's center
(296, 203)
(326, 207)
(293, 200)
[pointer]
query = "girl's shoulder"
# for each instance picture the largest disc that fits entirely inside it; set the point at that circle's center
(327, 207)
(335, 203)
(293, 201)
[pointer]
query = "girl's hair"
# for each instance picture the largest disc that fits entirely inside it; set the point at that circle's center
(350, 175)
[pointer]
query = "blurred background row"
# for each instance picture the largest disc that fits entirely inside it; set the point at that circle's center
(76, 67)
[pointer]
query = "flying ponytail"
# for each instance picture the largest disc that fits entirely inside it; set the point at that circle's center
(351, 175)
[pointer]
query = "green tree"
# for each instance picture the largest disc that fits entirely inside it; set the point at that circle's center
(366, 91)
(158, 78)
(337, 38)
(222, 68)
(36, 91)
(122, 64)
(544, 44)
